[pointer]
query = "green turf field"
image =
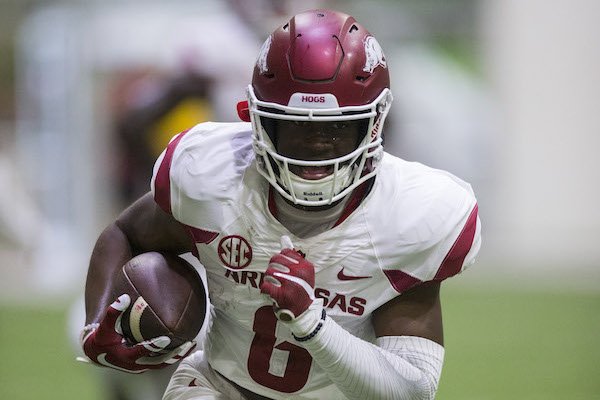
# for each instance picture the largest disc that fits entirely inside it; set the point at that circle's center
(37, 360)
(500, 344)
(521, 345)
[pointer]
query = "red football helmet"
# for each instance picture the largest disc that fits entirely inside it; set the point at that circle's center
(320, 66)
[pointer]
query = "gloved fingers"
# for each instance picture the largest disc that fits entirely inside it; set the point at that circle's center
(121, 303)
(293, 254)
(156, 344)
(275, 266)
(103, 359)
(283, 314)
(287, 249)
(286, 242)
(148, 348)
(170, 357)
(185, 349)
(270, 286)
(110, 326)
(87, 331)
(286, 257)
(297, 281)
(272, 280)
(182, 351)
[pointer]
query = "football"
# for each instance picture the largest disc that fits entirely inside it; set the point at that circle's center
(167, 298)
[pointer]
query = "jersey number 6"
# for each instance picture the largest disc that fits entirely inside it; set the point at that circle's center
(259, 360)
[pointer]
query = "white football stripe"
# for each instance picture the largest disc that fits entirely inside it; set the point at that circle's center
(137, 309)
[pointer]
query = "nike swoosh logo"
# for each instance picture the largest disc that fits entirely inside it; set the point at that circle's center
(102, 360)
(343, 277)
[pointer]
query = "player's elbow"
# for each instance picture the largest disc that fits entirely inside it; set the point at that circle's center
(422, 388)
(426, 387)
(422, 385)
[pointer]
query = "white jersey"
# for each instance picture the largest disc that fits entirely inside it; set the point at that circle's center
(416, 224)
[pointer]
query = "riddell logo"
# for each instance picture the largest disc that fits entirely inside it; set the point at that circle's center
(313, 99)
(313, 193)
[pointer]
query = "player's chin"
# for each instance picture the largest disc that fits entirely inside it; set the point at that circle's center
(311, 173)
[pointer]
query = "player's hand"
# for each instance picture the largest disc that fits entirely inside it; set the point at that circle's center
(290, 282)
(105, 345)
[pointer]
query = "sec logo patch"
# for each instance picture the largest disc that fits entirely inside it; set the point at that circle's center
(235, 252)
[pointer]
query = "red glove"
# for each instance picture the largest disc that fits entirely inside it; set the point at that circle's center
(105, 345)
(290, 283)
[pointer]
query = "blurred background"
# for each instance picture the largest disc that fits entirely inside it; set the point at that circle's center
(504, 94)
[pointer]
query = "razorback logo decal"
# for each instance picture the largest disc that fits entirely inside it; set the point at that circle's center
(374, 56)
(261, 61)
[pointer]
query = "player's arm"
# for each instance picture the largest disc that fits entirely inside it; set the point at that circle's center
(404, 363)
(406, 360)
(417, 312)
(140, 228)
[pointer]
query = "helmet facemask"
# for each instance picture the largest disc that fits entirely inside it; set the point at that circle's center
(347, 171)
(322, 66)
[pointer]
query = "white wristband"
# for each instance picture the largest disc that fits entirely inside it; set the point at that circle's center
(306, 322)
(315, 330)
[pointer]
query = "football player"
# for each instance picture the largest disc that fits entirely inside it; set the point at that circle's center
(324, 255)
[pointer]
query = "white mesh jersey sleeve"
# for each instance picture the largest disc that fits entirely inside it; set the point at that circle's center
(199, 166)
(424, 223)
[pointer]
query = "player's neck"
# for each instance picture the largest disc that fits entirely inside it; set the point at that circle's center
(313, 208)
(307, 221)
